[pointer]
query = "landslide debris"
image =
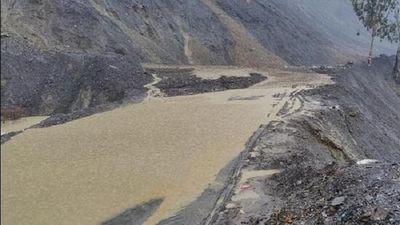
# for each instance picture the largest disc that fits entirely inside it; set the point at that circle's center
(353, 194)
(338, 157)
(187, 84)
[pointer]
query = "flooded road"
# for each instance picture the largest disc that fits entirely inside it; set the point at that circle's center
(91, 169)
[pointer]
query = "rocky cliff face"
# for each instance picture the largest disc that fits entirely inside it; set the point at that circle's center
(55, 53)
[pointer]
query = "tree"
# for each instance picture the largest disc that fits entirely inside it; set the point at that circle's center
(376, 16)
(393, 34)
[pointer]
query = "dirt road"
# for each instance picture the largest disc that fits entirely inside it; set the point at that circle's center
(91, 169)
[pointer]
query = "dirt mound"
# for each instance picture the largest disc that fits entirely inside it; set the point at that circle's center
(46, 82)
(186, 83)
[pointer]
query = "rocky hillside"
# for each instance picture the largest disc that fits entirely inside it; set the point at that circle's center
(65, 55)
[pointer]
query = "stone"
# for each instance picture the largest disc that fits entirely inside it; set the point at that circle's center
(338, 201)
(230, 205)
(254, 154)
(380, 214)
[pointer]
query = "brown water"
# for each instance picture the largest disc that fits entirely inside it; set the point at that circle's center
(89, 170)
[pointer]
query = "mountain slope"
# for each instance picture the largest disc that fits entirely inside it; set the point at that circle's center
(68, 34)
(325, 30)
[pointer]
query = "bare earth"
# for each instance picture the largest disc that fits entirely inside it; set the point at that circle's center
(89, 170)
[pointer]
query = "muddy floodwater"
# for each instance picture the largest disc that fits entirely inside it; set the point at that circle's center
(91, 169)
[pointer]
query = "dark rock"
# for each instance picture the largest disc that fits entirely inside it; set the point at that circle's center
(183, 82)
(45, 83)
(6, 137)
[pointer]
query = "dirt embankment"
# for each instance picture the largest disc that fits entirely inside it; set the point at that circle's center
(338, 158)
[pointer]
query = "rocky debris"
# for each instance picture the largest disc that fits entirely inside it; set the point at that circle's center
(366, 161)
(48, 83)
(327, 69)
(230, 205)
(379, 214)
(188, 84)
(6, 137)
(340, 194)
(175, 82)
(338, 167)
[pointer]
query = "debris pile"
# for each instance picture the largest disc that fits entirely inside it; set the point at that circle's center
(352, 194)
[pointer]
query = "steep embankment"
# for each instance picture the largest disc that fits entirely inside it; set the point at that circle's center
(370, 109)
(61, 56)
(338, 157)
